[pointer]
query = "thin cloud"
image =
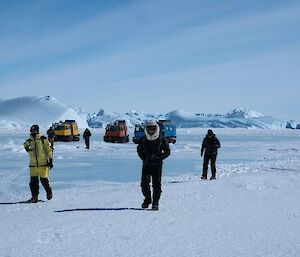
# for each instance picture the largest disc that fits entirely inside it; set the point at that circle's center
(138, 46)
(184, 44)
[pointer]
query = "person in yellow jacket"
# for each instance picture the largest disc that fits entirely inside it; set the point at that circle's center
(40, 155)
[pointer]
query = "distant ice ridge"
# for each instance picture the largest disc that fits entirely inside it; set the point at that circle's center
(101, 118)
(42, 110)
(243, 113)
(22, 112)
(236, 113)
(292, 124)
(238, 118)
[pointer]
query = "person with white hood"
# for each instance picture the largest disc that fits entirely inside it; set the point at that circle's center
(152, 149)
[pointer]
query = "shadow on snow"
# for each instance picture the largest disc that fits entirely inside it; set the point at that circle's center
(20, 202)
(105, 209)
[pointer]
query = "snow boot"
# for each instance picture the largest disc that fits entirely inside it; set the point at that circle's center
(34, 188)
(212, 177)
(45, 183)
(49, 194)
(155, 206)
(146, 203)
(33, 199)
(203, 177)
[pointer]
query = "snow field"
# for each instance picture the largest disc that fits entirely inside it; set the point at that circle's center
(252, 209)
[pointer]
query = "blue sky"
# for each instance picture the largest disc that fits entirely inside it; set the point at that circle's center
(155, 56)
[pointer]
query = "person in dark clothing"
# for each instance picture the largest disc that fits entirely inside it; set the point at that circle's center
(153, 148)
(210, 147)
(86, 135)
(51, 134)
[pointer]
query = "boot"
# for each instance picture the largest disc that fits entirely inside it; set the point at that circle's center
(146, 203)
(33, 199)
(203, 177)
(212, 177)
(49, 194)
(45, 183)
(155, 206)
(34, 188)
(213, 170)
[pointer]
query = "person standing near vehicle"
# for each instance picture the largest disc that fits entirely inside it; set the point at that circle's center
(153, 148)
(40, 155)
(210, 147)
(86, 135)
(51, 134)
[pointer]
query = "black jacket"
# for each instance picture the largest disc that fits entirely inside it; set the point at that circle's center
(210, 145)
(153, 152)
(87, 133)
(50, 133)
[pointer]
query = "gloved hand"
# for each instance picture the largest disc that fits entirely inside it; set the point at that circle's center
(28, 149)
(152, 158)
(50, 163)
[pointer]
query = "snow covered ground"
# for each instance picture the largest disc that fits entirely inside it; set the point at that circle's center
(251, 210)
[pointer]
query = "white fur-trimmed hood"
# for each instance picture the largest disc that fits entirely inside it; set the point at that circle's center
(155, 135)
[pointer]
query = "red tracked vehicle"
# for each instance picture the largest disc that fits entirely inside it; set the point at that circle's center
(116, 132)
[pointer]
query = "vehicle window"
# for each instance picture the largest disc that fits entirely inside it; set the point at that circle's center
(59, 128)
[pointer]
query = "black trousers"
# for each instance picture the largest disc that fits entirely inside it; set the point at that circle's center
(87, 142)
(212, 159)
(34, 185)
(153, 172)
(51, 141)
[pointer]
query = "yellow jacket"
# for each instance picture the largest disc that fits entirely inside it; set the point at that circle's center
(39, 150)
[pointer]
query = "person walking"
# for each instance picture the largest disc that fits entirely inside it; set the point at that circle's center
(210, 147)
(153, 148)
(40, 161)
(86, 135)
(51, 134)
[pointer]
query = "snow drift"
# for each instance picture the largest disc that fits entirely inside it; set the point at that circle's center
(42, 110)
